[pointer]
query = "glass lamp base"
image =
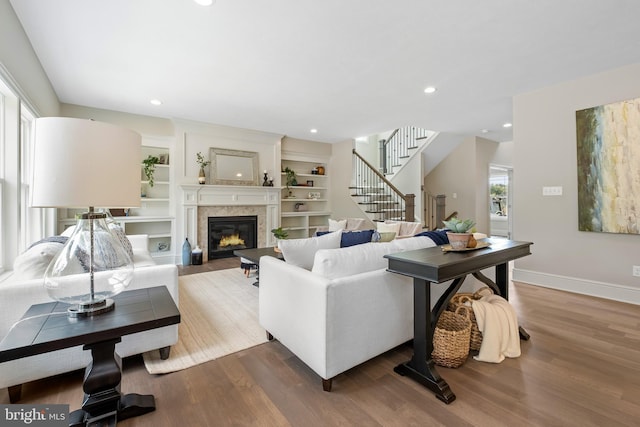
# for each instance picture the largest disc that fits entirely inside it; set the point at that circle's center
(91, 309)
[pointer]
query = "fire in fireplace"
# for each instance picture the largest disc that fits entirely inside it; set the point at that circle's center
(229, 233)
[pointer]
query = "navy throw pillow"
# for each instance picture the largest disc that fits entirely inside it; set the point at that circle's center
(439, 237)
(351, 238)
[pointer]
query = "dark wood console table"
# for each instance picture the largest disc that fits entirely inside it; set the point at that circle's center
(432, 265)
(44, 329)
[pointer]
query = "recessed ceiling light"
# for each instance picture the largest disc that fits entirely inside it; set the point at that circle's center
(430, 89)
(507, 125)
(204, 2)
(314, 131)
(485, 131)
(156, 102)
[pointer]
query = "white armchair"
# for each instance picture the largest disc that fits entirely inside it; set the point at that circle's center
(18, 294)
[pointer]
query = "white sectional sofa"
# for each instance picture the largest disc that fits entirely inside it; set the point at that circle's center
(344, 311)
(17, 294)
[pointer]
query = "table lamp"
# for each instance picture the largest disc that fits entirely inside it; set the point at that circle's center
(80, 163)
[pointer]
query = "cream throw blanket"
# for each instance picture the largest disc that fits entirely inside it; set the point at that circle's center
(499, 326)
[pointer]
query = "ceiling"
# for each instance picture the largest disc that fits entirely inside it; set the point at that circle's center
(346, 68)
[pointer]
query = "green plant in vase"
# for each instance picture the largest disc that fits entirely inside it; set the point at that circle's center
(280, 234)
(203, 164)
(291, 179)
(149, 167)
(460, 233)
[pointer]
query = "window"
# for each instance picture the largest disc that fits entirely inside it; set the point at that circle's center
(20, 225)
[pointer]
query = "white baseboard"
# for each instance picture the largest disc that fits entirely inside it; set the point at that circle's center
(610, 291)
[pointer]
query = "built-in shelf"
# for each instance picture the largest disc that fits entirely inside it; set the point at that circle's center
(303, 223)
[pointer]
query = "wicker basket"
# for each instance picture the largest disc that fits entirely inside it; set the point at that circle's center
(451, 338)
(459, 300)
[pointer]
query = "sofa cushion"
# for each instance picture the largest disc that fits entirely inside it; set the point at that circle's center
(122, 237)
(413, 243)
(383, 227)
(32, 263)
(300, 252)
(385, 236)
(407, 228)
(342, 262)
(337, 225)
(351, 238)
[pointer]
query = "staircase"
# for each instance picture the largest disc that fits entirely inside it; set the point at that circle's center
(400, 146)
(378, 198)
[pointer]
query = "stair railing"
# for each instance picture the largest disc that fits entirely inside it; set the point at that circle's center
(397, 146)
(434, 211)
(382, 198)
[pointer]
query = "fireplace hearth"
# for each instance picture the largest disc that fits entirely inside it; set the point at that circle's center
(229, 233)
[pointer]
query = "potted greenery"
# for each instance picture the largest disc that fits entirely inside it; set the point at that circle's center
(291, 179)
(150, 167)
(460, 233)
(280, 234)
(203, 164)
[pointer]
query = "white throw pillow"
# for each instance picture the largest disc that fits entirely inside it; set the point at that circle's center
(32, 263)
(388, 228)
(337, 225)
(300, 252)
(354, 223)
(413, 243)
(334, 263)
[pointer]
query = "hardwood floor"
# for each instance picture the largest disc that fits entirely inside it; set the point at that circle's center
(580, 368)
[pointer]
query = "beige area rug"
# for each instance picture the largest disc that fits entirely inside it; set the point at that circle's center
(219, 316)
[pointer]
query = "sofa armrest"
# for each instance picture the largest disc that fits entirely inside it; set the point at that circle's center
(333, 325)
(293, 307)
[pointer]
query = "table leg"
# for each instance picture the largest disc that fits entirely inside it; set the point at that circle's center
(421, 367)
(103, 402)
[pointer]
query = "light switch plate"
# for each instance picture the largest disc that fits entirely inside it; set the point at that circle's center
(552, 191)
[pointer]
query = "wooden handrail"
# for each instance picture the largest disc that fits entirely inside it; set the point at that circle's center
(381, 176)
(386, 141)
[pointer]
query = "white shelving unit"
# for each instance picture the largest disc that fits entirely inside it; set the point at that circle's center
(153, 217)
(302, 211)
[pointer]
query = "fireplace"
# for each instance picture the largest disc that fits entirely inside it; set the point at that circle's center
(228, 233)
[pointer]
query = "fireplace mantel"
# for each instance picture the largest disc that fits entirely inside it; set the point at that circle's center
(229, 195)
(195, 196)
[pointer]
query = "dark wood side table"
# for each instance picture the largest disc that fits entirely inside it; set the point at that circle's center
(432, 265)
(254, 256)
(43, 331)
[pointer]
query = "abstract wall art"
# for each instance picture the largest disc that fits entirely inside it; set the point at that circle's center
(608, 149)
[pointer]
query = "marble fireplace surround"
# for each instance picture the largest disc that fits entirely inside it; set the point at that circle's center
(203, 201)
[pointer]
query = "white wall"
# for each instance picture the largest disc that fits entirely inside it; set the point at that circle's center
(545, 155)
(194, 137)
(19, 59)
(409, 181)
(341, 169)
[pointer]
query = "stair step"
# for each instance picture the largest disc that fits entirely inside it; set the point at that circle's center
(379, 202)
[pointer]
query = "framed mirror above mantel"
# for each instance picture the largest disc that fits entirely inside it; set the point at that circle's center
(233, 167)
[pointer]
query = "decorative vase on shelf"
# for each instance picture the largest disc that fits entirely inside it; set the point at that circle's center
(202, 179)
(186, 252)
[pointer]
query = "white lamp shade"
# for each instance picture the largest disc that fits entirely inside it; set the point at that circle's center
(80, 163)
